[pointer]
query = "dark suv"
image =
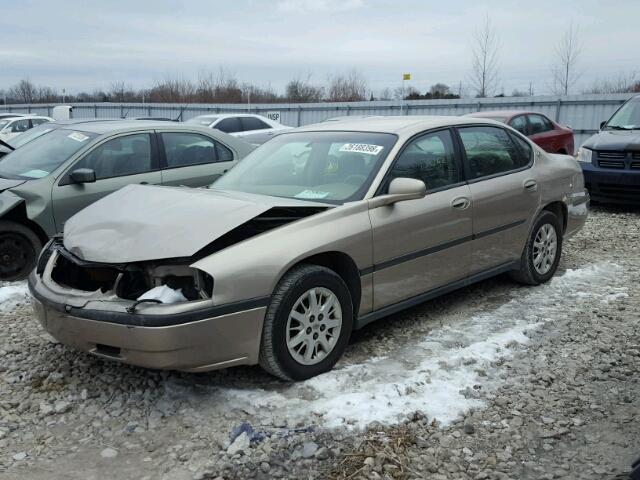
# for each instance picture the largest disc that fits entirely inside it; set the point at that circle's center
(610, 159)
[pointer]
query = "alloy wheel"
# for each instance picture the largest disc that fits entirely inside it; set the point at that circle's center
(313, 326)
(545, 248)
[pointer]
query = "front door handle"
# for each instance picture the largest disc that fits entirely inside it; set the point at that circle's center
(144, 183)
(461, 203)
(531, 185)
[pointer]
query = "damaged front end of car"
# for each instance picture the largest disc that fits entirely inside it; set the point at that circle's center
(156, 313)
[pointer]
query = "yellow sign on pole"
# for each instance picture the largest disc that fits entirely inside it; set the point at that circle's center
(406, 76)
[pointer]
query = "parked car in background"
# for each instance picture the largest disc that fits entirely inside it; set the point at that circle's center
(610, 159)
(549, 135)
(12, 115)
(239, 124)
(316, 233)
(50, 178)
(23, 139)
(13, 126)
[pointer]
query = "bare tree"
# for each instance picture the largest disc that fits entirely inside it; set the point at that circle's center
(302, 90)
(624, 83)
(486, 46)
(564, 70)
(24, 92)
(349, 87)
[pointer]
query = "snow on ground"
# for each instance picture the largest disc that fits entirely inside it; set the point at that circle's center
(431, 373)
(12, 294)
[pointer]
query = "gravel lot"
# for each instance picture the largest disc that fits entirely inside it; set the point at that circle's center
(497, 381)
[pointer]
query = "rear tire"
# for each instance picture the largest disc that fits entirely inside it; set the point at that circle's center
(542, 251)
(19, 250)
(307, 325)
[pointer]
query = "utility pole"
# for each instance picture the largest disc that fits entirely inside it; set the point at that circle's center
(63, 96)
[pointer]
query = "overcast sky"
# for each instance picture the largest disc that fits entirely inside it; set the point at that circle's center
(82, 45)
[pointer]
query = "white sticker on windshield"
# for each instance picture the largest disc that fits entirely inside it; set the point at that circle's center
(35, 174)
(310, 194)
(77, 136)
(361, 148)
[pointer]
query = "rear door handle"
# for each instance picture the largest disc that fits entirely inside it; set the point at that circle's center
(461, 203)
(531, 185)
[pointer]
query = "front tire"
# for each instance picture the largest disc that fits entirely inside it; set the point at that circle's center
(542, 251)
(19, 249)
(307, 325)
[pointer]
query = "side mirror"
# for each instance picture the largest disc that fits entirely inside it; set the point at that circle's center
(400, 190)
(602, 124)
(83, 175)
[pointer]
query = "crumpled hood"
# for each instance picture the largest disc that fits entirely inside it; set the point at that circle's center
(139, 223)
(614, 140)
(7, 183)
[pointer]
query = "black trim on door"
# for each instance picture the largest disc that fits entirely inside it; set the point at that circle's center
(438, 248)
(436, 292)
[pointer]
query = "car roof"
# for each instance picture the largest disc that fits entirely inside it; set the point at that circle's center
(500, 113)
(401, 125)
(113, 126)
(226, 115)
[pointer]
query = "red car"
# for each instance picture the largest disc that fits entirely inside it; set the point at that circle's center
(543, 131)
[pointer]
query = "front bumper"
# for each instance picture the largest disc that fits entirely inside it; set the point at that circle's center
(204, 339)
(612, 185)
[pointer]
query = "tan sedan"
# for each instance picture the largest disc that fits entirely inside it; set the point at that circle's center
(316, 233)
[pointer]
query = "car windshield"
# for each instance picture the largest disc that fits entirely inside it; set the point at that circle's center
(43, 155)
(3, 123)
(205, 121)
(32, 134)
(627, 118)
(332, 167)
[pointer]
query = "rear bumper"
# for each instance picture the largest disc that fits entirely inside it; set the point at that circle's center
(609, 185)
(219, 341)
(577, 212)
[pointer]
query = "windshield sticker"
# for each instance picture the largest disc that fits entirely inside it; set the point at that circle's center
(311, 194)
(361, 148)
(35, 174)
(77, 136)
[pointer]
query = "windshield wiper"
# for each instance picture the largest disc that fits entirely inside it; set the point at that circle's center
(619, 127)
(5, 144)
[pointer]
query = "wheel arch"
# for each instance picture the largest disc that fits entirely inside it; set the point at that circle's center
(18, 214)
(560, 210)
(343, 265)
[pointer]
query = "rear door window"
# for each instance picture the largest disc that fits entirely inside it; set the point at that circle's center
(252, 123)
(229, 125)
(183, 149)
(519, 123)
(539, 124)
(490, 151)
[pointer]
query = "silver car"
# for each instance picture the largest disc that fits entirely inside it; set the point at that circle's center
(316, 233)
(71, 165)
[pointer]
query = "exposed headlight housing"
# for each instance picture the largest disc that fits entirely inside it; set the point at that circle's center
(45, 255)
(584, 155)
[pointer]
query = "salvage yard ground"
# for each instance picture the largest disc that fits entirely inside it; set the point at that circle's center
(494, 381)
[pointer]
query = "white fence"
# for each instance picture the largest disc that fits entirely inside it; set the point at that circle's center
(583, 113)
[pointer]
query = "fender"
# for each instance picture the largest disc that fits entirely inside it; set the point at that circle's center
(9, 201)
